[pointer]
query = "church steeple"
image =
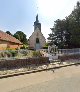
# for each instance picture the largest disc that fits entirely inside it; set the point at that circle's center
(37, 24)
(37, 18)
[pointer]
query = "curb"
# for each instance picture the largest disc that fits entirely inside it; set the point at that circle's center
(34, 71)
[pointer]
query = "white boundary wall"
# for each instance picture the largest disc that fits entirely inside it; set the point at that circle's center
(69, 51)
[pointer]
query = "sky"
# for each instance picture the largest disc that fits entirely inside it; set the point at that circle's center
(19, 15)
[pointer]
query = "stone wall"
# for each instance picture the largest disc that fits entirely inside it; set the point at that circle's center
(69, 57)
(9, 64)
(32, 39)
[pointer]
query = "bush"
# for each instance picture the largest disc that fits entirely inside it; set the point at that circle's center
(46, 47)
(8, 53)
(24, 52)
(37, 54)
(5, 54)
(13, 53)
(24, 47)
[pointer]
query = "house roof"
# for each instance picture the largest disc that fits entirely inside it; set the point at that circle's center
(7, 37)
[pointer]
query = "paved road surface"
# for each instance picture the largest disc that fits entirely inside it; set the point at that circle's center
(61, 80)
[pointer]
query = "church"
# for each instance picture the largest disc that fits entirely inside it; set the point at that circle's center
(37, 40)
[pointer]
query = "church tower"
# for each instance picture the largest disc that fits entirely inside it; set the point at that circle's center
(37, 24)
(37, 40)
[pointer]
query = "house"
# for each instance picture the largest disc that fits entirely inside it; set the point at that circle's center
(8, 41)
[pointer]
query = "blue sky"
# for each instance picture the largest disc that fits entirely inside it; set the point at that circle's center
(19, 15)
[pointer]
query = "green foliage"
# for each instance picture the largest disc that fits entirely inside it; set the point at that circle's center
(24, 47)
(21, 37)
(5, 54)
(13, 53)
(51, 38)
(37, 54)
(8, 53)
(8, 32)
(46, 47)
(66, 33)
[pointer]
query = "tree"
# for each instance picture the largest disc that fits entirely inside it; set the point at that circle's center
(74, 18)
(57, 36)
(8, 32)
(66, 32)
(51, 37)
(60, 32)
(21, 37)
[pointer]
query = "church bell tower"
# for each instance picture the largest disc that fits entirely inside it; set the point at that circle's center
(37, 24)
(37, 40)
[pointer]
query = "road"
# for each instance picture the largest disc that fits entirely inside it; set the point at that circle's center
(66, 79)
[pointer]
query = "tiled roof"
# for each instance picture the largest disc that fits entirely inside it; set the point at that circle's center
(7, 37)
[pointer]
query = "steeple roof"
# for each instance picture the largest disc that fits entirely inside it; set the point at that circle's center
(37, 24)
(37, 21)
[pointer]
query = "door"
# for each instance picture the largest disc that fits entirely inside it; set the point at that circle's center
(37, 44)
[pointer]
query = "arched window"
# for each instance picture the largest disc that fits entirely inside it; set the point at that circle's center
(37, 40)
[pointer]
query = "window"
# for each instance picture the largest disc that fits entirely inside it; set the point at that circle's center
(37, 40)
